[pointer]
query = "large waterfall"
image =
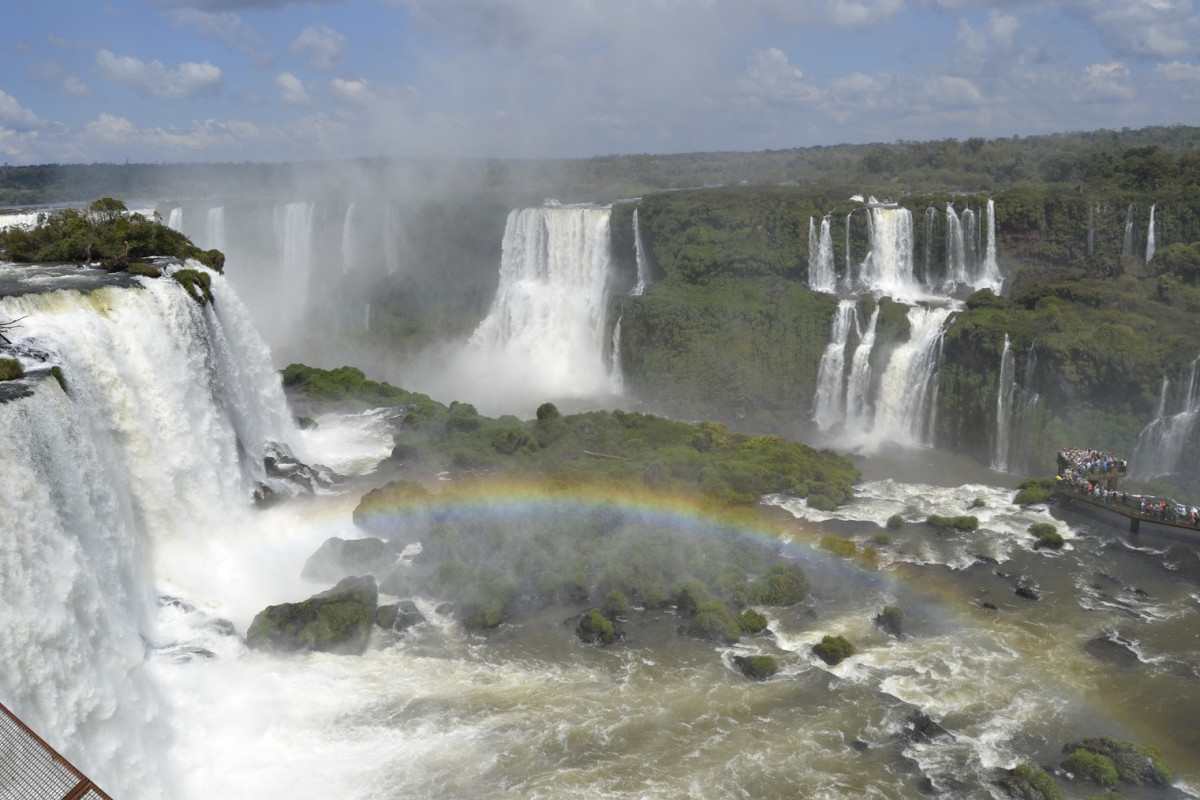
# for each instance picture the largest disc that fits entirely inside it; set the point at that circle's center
(546, 335)
(822, 277)
(1006, 384)
(1150, 243)
(1160, 445)
(157, 439)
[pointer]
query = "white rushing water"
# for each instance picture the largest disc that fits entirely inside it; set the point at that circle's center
(1150, 242)
(1161, 443)
(830, 401)
(821, 274)
(546, 336)
(157, 441)
(639, 252)
(1006, 384)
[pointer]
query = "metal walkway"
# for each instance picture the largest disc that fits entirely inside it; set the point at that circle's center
(30, 769)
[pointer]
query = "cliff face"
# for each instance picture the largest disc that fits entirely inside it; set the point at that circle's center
(730, 329)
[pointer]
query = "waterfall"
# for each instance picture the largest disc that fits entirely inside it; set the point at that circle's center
(158, 438)
(1006, 383)
(970, 242)
(214, 228)
(545, 334)
(858, 385)
(906, 403)
(1025, 404)
(849, 264)
(927, 269)
(1160, 445)
(821, 274)
(829, 403)
(989, 271)
(1150, 237)
(956, 253)
(350, 258)
(293, 228)
(888, 268)
(639, 252)
(1127, 245)
(175, 218)
(614, 362)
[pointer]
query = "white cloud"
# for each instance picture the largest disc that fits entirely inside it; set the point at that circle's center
(1107, 82)
(110, 128)
(1179, 71)
(226, 27)
(13, 116)
(354, 91)
(323, 46)
(952, 91)
(770, 75)
(189, 79)
(292, 89)
(74, 85)
(862, 13)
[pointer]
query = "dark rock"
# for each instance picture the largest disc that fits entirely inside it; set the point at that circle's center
(1113, 650)
(445, 609)
(398, 616)
(341, 558)
(335, 621)
(889, 620)
(925, 785)
(920, 727)
(982, 559)
(757, 668)
(595, 627)
(988, 606)
(1028, 589)
(859, 745)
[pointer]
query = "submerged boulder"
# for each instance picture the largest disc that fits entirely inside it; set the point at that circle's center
(595, 627)
(341, 558)
(398, 616)
(335, 621)
(920, 727)
(757, 668)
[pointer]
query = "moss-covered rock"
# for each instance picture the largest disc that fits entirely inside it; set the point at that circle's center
(890, 620)
(751, 622)
(10, 369)
(962, 522)
(594, 626)
(395, 511)
(757, 668)
(335, 621)
(398, 617)
(833, 649)
(785, 584)
(1108, 761)
(197, 283)
(1026, 783)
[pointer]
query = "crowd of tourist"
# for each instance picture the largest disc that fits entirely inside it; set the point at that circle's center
(1084, 471)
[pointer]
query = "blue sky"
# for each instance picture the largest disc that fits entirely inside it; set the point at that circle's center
(273, 80)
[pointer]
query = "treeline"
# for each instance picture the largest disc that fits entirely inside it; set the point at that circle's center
(1144, 159)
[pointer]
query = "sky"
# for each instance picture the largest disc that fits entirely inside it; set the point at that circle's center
(279, 80)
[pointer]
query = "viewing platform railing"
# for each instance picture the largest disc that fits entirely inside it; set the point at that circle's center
(30, 769)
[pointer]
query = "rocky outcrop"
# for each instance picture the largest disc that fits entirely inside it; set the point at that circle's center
(757, 668)
(335, 621)
(339, 558)
(398, 617)
(920, 727)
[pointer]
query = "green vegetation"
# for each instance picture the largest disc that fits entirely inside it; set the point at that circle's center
(1047, 536)
(833, 649)
(752, 622)
(10, 369)
(895, 521)
(197, 284)
(57, 373)
(1093, 766)
(836, 544)
(1034, 491)
(595, 626)
(338, 620)
(1108, 761)
(757, 668)
(106, 232)
(1038, 780)
(345, 385)
(958, 523)
(890, 619)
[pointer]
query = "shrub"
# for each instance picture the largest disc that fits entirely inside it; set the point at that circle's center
(895, 521)
(833, 649)
(615, 604)
(839, 546)
(1053, 540)
(751, 621)
(785, 584)
(757, 668)
(594, 626)
(890, 619)
(962, 522)
(821, 503)
(197, 284)
(10, 369)
(1042, 528)
(883, 538)
(713, 621)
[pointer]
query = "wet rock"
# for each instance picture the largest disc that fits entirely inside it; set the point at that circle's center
(595, 627)
(335, 621)
(341, 558)
(1113, 650)
(920, 727)
(1027, 589)
(859, 745)
(398, 616)
(889, 620)
(986, 606)
(757, 668)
